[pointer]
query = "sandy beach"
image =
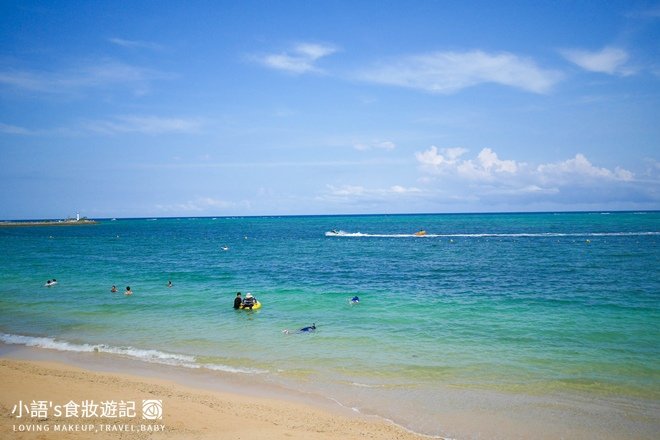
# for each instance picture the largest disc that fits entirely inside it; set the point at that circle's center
(186, 412)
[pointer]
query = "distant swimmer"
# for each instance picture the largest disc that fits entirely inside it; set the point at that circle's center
(169, 284)
(302, 330)
(355, 300)
(128, 291)
(50, 283)
(225, 248)
(113, 289)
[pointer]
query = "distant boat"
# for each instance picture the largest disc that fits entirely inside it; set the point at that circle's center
(420, 233)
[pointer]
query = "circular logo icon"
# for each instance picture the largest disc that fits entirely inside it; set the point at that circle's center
(152, 409)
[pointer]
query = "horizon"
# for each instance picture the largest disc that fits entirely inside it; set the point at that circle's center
(203, 109)
(337, 215)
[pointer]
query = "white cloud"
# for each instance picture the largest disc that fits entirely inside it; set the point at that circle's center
(610, 60)
(487, 179)
(450, 72)
(202, 204)
(145, 124)
(486, 165)
(357, 192)
(580, 166)
(13, 129)
(301, 59)
(98, 74)
(431, 158)
(376, 145)
(135, 44)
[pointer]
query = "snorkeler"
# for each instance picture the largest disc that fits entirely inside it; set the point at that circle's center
(309, 329)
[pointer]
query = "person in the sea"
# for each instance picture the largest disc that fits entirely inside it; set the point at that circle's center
(249, 301)
(169, 284)
(49, 282)
(238, 300)
(355, 300)
(309, 329)
(128, 291)
(113, 289)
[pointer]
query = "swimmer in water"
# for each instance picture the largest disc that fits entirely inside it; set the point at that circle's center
(128, 291)
(169, 284)
(302, 330)
(113, 289)
(355, 300)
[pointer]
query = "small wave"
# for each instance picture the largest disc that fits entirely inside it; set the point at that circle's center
(145, 355)
(366, 385)
(496, 235)
(358, 411)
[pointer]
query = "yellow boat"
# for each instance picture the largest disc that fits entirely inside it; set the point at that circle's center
(420, 233)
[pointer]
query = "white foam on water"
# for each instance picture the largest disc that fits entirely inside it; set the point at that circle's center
(145, 355)
(509, 235)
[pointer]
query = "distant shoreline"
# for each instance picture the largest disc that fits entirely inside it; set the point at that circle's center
(48, 223)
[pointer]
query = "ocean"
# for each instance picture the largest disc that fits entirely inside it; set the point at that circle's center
(538, 315)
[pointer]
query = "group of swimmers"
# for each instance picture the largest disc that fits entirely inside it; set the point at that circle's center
(50, 283)
(244, 303)
(250, 301)
(128, 290)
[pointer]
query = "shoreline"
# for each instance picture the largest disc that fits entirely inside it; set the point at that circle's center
(191, 406)
(62, 376)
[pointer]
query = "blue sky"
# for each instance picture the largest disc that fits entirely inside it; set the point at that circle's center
(196, 108)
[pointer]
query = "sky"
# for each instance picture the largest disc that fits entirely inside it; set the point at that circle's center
(223, 108)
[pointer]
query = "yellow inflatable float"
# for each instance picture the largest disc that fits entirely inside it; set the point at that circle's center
(256, 306)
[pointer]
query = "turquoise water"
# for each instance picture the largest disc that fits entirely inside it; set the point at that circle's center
(532, 305)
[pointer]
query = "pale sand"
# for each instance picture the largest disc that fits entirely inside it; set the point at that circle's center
(188, 413)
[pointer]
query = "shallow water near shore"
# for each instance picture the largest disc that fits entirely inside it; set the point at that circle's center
(489, 313)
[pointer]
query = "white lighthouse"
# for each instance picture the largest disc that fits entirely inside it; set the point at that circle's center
(77, 216)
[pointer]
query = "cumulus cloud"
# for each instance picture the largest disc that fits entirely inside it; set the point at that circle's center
(448, 160)
(432, 159)
(300, 59)
(450, 72)
(610, 60)
(487, 165)
(579, 166)
(486, 178)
